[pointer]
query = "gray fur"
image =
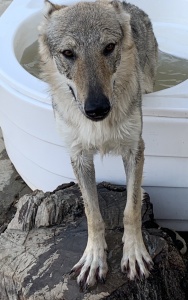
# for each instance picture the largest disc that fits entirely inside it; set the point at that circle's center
(98, 59)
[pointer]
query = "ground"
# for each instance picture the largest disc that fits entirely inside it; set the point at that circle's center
(12, 187)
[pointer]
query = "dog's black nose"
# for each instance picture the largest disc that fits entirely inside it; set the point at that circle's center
(97, 111)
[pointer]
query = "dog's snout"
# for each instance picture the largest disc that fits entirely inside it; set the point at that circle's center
(99, 110)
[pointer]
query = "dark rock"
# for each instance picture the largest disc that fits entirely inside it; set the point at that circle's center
(49, 233)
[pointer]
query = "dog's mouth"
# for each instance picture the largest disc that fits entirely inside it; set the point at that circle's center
(97, 118)
(71, 89)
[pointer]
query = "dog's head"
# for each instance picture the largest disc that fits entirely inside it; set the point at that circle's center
(85, 42)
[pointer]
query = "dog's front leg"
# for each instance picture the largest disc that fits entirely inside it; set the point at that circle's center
(92, 265)
(136, 259)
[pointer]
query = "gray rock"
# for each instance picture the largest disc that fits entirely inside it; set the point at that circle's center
(49, 233)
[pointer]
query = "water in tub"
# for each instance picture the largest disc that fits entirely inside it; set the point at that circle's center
(171, 69)
(30, 59)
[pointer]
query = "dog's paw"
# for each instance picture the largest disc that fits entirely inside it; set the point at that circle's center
(92, 267)
(136, 260)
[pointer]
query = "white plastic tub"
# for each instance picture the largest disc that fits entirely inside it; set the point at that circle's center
(28, 125)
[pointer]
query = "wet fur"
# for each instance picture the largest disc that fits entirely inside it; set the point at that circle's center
(122, 77)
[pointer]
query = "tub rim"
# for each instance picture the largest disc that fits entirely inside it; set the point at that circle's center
(36, 89)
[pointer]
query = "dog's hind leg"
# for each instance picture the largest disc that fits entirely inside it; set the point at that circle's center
(92, 265)
(136, 259)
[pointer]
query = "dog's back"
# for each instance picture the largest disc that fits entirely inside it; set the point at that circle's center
(146, 44)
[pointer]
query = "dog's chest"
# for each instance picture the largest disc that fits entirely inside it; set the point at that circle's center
(105, 136)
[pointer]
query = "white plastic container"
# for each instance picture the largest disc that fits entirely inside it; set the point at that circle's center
(28, 125)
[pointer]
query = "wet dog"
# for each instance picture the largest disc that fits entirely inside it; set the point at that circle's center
(99, 58)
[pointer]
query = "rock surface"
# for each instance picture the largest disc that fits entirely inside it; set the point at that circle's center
(12, 186)
(49, 233)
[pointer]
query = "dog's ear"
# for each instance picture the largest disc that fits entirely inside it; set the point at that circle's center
(117, 5)
(124, 20)
(49, 8)
(119, 9)
(123, 16)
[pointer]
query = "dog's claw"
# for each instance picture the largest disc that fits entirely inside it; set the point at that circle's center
(136, 261)
(71, 272)
(74, 271)
(102, 280)
(82, 286)
(92, 266)
(139, 272)
(149, 265)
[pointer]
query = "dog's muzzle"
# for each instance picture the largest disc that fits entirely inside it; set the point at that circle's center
(97, 111)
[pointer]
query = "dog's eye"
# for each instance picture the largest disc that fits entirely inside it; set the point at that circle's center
(68, 53)
(109, 49)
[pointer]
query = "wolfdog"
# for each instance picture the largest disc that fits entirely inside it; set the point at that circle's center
(98, 59)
